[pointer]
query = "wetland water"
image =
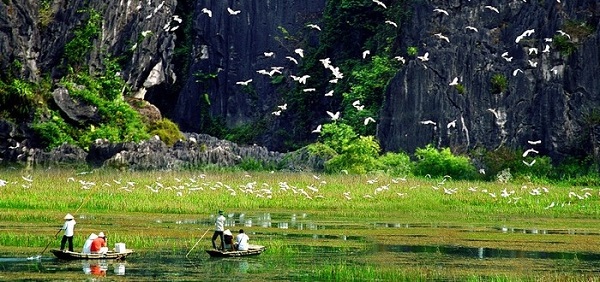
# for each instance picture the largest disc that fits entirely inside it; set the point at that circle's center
(312, 245)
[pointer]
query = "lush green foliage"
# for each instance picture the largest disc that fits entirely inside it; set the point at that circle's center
(396, 164)
(499, 83)
(167, 131)
(436, 163)
(78, 48)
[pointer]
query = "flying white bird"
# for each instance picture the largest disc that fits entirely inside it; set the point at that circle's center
(515, 72)
(368, 119)
(300, 79)
(380, 3)
(533, 64)
(309, 90)
(177, 19)
(276, 113)
(283, 107)
(492, 8)
(333, 116)
(365, 53)
(391, 23)
(442, 37)
(533, 50)
(535, 142)
(269, 54)
(300, 52)
(232, 11)
(146, 33)
(529, 164)
(472, 28)
(424, 58)
(207, 11)
(329, 94)
(314, 26)
(318, 129)
(244, 82)
(400, 59)
(546, 49)
(440, 11)
(530, 151)
(563, 34)
(454, 82)
(451, 124)
(428, 122)
(292, 59)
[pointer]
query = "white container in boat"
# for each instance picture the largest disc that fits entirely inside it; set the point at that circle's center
(119, 247)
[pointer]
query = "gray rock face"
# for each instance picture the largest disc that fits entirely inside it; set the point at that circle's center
(76, 110)
(35, 37)
(547, 100)
(233, 47)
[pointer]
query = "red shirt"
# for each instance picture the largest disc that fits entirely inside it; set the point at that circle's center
(97, 244)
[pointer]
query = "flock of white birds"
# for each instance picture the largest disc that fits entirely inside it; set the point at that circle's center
(318, 188)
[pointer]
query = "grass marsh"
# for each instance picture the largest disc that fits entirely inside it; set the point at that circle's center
(348, 220)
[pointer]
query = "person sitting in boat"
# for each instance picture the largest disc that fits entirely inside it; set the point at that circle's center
(228, 236)
(69, 228)
(99, 245)
(88, 243)
(242, 241)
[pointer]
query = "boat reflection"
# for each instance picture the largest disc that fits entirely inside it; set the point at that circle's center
(101, 267)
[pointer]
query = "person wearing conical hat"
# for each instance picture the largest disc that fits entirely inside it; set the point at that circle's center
(99, 244)
(69, 228)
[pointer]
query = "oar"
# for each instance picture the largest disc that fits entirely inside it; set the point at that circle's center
(197, 242)
(84, 200)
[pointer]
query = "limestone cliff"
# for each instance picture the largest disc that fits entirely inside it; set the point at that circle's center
(552, 89)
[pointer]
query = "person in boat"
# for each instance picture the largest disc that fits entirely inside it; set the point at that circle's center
(241, 241)
(99, 244)
(88, 243)
(228, 236)
(219, 229)
(69, 228)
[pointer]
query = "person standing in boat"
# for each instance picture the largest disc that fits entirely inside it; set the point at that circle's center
(219, 229)
(242, 241)
(69, 228)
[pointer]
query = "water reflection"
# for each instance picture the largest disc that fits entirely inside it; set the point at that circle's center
(482, 253)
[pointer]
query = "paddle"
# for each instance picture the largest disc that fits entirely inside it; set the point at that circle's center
(197, 242)
(47, 245)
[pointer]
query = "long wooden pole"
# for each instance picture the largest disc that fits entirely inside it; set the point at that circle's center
(83, 202)
(197, 242)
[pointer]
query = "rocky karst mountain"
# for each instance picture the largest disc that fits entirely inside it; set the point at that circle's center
(554, 97)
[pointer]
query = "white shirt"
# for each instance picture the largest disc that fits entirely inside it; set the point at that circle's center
(220, 223)
(68, 227)
(242, 240)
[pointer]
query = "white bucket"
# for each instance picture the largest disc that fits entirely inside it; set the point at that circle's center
(119, 247)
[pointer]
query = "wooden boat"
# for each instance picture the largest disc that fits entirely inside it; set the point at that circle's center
(66, 255)
(253, 250)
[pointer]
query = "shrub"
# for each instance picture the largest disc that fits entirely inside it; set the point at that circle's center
(442, 162)
(499, 83)
(167, 130)
(396, 164)
(359, 157)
